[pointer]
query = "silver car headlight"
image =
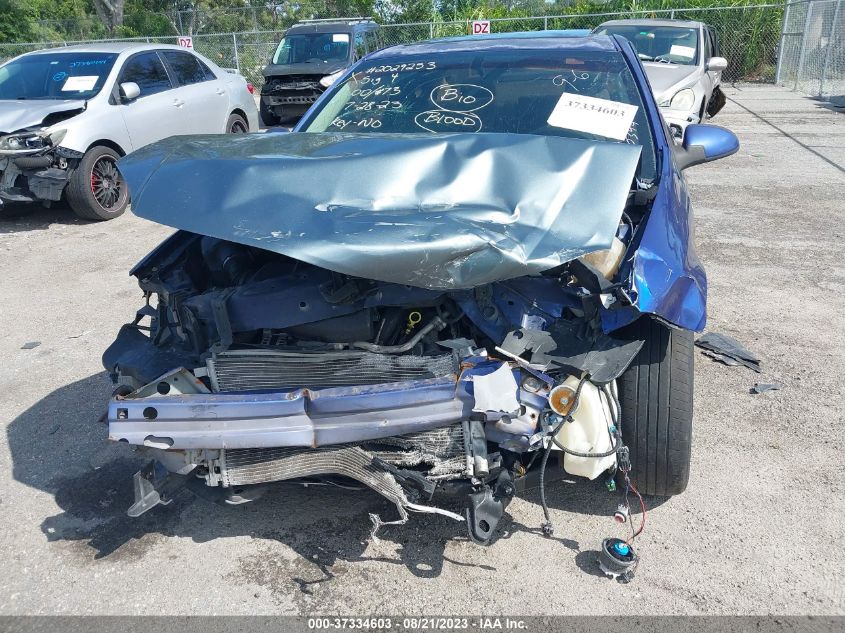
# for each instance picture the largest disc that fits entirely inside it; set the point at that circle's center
(683, 100)
(31, 141)
(328, 80)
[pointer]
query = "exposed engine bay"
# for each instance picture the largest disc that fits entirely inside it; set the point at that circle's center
(394, 327)
(405, 390)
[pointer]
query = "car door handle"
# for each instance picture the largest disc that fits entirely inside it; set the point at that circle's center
(220, 91)
(178, 103)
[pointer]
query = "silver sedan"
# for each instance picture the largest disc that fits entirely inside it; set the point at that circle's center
(67, 115)
(681, 60)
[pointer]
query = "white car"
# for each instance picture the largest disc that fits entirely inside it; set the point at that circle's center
(682, 63)
(68, 114)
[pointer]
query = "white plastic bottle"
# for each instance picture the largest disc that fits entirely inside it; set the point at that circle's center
(588, 432)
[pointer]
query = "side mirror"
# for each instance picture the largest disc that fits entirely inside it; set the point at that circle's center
(717, 64)
(704, 143)
(129, 90)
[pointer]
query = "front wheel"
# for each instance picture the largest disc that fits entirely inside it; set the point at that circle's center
(655, 394)
(96, 190)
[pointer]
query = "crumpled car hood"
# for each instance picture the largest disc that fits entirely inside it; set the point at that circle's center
(19, 115)
(442, 212)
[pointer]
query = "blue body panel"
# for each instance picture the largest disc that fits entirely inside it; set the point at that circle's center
(667, 277)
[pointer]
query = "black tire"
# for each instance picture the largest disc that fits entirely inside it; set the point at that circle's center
(96, 190)
(236, 124)
(655, 394)
(268, 119)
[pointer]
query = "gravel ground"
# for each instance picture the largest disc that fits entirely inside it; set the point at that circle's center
(754, 533)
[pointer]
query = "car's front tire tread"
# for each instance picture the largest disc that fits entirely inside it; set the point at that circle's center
(656, 394)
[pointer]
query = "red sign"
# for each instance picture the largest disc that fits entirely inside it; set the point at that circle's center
(481, 27)
(187, 42)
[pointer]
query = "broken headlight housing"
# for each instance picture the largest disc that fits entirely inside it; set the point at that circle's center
(28, 142)
(328, 80)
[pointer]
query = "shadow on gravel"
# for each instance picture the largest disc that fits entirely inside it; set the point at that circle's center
(588, 562)
(59, 446)
(17, 218)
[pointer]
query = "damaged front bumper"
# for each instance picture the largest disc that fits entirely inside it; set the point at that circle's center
(404, 440)
(36, 174)
(295, 418)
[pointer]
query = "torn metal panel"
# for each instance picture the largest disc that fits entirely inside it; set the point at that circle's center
(667, 278)
(448, 211)
(572, 346)
(19, 115)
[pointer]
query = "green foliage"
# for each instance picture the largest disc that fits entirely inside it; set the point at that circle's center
(15, 21)
(749, 36)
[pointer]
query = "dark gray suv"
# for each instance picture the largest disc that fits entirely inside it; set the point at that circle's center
(311, 55)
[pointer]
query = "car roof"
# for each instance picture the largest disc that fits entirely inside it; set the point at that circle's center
(527, 40)
(109, 47)
(337, 26)
(691, 24)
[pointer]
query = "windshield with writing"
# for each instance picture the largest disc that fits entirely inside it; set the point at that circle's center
(312, 48)
(588, 95)
(55, 76)
(667, 44)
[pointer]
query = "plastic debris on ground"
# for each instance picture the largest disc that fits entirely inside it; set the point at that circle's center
(763, 387)
(727, 350)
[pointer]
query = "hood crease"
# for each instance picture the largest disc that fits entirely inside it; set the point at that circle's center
(443, 212)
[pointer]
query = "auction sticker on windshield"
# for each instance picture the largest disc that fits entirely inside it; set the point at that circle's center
(682, 51)
(338, 38)
(80, 83)
(601, 117)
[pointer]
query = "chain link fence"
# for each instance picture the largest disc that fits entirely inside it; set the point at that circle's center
(812, 47)
(748, 36)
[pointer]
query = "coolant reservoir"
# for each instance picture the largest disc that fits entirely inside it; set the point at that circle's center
(607, 261)
(588, 432)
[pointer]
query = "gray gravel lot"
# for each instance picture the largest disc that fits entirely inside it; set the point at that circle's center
(758, 531)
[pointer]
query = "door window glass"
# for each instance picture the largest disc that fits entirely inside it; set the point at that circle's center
(371, 39)
(185, 67)
(209, 74)
(148, 72)
(360, 48)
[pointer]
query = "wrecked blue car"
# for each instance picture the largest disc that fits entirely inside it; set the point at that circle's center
(470, 255)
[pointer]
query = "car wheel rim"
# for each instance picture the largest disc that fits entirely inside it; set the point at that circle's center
(238, 128)
(106, 183)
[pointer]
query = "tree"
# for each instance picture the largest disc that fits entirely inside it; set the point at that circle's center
(15, 22)
(111, 14)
